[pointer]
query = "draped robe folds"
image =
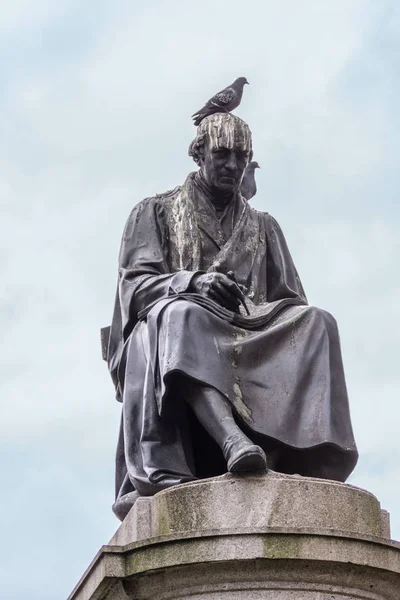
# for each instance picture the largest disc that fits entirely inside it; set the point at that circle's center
(280, 367)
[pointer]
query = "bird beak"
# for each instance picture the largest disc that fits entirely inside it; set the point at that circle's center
(246, 82)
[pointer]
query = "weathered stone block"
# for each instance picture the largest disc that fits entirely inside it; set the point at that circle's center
(249, 537)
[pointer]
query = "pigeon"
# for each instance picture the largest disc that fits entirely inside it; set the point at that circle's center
(248, 189)
(225, 101)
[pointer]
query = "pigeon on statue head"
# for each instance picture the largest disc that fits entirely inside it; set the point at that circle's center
(248, 187)
(224, 101)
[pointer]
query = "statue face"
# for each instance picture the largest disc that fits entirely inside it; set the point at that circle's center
(223, 168)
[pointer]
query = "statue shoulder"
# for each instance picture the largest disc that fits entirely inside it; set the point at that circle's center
(260, 214)
(268, 221)
(152, 203)
(149, 210)
(169, 195)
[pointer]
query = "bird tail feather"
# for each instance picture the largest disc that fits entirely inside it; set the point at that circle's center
(196, 113)
(203, 113)
(198, 119)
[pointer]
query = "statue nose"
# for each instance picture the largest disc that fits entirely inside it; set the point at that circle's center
(231, 163)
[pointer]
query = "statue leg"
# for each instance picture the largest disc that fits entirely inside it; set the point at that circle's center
(215, 414)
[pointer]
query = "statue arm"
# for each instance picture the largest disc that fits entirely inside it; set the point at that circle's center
(283, 280)
(144, 275)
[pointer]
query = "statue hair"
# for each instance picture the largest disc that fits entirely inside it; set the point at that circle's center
(222, 129)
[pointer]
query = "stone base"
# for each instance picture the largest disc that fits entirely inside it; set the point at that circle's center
(250, 537)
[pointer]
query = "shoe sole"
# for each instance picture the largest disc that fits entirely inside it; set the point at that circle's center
(250, 459)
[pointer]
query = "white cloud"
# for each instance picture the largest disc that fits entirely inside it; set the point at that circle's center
(22, 15)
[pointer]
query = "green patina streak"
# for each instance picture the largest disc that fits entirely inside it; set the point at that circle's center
(282, 547)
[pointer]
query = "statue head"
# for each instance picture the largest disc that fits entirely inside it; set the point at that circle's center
(222, 149)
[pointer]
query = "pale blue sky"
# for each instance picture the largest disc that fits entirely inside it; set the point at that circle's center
(95, 103)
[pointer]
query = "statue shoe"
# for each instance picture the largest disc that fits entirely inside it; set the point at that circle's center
(242, 455)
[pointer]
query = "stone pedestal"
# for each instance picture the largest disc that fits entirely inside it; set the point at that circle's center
(250, 537)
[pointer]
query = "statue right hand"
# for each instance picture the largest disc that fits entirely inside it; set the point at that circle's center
(220, 288)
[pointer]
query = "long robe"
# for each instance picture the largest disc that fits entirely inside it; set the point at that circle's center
(280, 367)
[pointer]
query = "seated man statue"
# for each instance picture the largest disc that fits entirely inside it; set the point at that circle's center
(205, 387)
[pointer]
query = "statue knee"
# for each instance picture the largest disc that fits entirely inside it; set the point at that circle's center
(184, 309)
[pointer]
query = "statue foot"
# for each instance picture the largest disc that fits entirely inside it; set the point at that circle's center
(241, 456)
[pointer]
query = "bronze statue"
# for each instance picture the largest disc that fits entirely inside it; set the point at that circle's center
(205, 387)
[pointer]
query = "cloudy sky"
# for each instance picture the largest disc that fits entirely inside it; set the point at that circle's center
(95, 102)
